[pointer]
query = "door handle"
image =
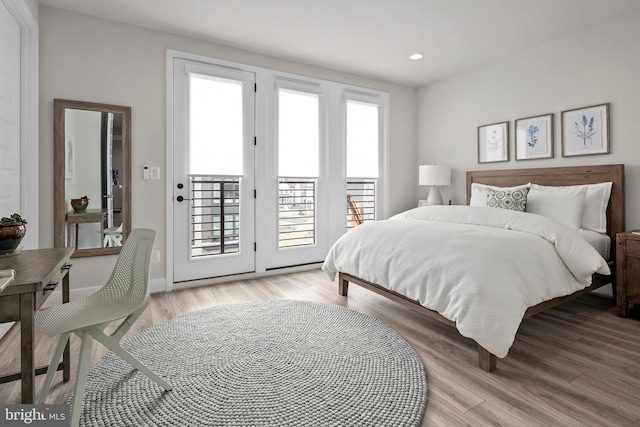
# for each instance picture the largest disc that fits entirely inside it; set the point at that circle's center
(180, 198)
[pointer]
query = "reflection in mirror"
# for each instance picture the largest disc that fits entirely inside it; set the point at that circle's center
(92, 176)
(99, 137)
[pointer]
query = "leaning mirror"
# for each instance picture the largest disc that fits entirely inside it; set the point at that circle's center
(92, 185)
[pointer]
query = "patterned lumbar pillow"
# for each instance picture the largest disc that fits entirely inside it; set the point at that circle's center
(508, 199)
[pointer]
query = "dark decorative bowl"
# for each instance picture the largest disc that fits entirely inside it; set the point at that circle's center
(79, 205)
(10, 238)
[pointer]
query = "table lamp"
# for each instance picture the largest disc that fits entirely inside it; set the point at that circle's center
(434, 175)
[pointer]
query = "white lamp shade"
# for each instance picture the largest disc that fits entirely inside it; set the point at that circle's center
(434, 175)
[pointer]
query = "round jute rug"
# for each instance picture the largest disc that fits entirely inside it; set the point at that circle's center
(262, 363)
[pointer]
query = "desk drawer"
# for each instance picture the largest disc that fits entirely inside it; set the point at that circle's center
(10, 304)
(42, 296)
(52, 282)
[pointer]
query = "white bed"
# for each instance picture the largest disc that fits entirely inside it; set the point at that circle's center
(479, 267)
(482, 269)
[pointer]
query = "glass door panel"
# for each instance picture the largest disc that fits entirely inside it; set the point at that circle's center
(213, 172)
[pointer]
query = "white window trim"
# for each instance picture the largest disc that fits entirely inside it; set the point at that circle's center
(29, 149)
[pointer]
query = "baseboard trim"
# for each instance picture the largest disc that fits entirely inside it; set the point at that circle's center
(157, 285)
(244, 276)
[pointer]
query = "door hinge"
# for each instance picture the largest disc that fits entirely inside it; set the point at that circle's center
(255, 247)
(255, 140)
(255, 193)
(255, 87)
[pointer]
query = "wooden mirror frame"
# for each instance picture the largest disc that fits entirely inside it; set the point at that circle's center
(59, 201)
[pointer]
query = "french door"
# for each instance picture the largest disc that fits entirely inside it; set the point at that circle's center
(295, 174)
(267, 175)
(213, 175)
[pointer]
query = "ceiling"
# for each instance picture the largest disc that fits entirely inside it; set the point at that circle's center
(373, 38)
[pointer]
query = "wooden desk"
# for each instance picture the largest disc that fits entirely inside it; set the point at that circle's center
(90, 215)
(38, 272)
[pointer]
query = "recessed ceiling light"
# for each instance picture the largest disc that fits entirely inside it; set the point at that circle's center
(416, 56)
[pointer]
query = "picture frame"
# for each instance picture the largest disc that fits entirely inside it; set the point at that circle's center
(493, 143)
(534, 137)
(585, 131)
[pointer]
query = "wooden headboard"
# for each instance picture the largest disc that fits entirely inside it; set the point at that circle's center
(568, 175)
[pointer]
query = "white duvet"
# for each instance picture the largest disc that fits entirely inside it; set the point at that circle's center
(478, 267)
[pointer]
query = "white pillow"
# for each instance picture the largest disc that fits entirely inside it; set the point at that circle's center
(594, 216)
(564, 205)
(479, 192)
(596, 200)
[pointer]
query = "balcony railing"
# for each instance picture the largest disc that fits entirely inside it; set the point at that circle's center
(296, 212)
(215, 212)
(215, 215)
(361, 201)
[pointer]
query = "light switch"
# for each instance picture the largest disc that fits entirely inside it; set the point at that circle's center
(155, 172)
(145, 173)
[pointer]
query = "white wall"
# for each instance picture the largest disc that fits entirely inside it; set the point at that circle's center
(598, 65)
(89, 59)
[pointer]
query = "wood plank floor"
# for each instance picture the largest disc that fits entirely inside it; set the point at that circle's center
(575, 365)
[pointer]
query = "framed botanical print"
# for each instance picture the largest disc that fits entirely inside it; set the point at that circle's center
(493, 143)
(534, 137)
(585, 131)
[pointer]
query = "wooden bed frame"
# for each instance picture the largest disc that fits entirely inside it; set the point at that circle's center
(558, 176)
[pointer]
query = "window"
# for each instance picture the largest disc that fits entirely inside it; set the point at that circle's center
(363, 151)
(215, 155)
(215, 125)
(298, 166)
(298, 133)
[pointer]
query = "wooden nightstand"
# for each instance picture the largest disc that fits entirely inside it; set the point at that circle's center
(627, 270)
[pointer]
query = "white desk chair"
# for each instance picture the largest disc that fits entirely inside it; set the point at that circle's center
(112, 237)
(124, 296)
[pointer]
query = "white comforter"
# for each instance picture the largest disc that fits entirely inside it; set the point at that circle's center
(478, 267)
